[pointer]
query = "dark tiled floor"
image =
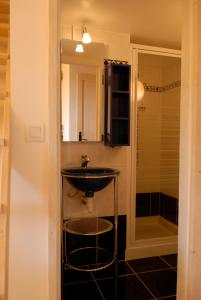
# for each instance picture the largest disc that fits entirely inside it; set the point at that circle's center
(124, 288)
(148, 264)
(121, 269)
(170, 259)
(71, 276)
(85, 291)
(141, 279)
(161, 283)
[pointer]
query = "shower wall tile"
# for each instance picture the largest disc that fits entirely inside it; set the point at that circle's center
(156, 203)
(148, 130)
(161, 89)
(158, 128)
(143, 204)
(147, 204)
(169, 208)
(170, 131)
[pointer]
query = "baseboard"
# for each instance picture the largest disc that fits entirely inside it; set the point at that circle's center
(152, 247)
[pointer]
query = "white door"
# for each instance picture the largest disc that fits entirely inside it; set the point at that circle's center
(4, 184)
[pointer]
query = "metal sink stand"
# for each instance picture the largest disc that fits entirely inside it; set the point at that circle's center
(73, 226)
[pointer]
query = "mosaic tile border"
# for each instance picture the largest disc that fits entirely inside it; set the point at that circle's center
(161, 89)
(114, 61)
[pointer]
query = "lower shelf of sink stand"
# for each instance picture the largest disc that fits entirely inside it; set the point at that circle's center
(87, 226)
(89, 259)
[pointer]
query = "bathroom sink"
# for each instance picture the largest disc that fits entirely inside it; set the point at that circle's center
(89, 180)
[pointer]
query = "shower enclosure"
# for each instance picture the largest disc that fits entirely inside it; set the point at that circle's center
(155, 152)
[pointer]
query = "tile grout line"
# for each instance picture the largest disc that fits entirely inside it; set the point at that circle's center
(155, 270)
(167, 297)
(167, 263)
(96, 283)
(147, 288)
(111, 277)
(77, 282)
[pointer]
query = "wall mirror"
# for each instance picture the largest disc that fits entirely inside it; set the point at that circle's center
(81, 92)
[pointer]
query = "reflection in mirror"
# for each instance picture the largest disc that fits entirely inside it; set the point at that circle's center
(81, 92)
(79, 107)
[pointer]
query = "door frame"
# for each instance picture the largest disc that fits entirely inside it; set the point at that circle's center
(4, 193)
(136, 49)
(186, 229)
(54, 153)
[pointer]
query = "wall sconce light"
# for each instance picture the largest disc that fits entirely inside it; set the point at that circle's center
(86, 38)
(140, 90)
(79, 48)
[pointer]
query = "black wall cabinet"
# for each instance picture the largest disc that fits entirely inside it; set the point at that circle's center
(117, 105)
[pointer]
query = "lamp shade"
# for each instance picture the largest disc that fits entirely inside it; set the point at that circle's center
(86, 38)
(79, 48)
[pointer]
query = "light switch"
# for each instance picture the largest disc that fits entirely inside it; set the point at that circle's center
(35, 133)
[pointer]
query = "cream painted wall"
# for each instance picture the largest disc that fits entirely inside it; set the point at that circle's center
(28, 240)
(117, 45)
(99, 154)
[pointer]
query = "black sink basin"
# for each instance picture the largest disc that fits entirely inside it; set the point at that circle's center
(89, 180)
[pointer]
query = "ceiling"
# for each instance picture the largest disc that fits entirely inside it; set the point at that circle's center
(150, 22)
(161, 61)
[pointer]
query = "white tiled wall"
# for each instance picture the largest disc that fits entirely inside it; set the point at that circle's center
(158, 128)
(148, 132)
(170, 135)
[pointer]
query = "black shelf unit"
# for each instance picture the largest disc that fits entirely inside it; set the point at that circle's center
(117, 105)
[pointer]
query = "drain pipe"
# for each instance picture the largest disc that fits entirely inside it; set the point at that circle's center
(87, 199)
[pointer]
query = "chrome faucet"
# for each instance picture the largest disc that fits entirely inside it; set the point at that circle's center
(85, 161)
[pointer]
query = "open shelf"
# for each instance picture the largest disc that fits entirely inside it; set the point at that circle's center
(120, 78)
(117, 105)
(86, 251)
(120, 132)
(120, 105)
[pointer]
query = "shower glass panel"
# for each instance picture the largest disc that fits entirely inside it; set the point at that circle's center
(157, 157)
